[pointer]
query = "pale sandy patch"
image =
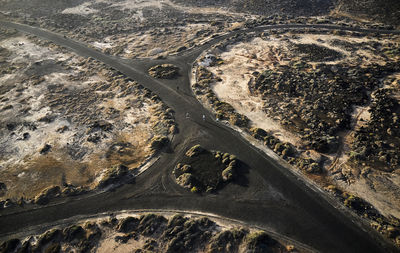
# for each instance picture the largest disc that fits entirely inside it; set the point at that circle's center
(73, 158)
(382, 190)
(240, 61)
(83, 9)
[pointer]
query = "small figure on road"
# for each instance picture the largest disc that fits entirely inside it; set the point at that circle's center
(204, 117)
(177, 87)
(187, 115)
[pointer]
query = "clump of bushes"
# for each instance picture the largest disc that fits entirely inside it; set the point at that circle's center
(223, 110)
(228, 240)
(184, 235)
(10, 245)
(158, 234)
(387, 226)
(194, 151)
(202, 170)
(158, 142)
(164, 71)
(259, 242)
(377, 144)
(48, 193)
(317, 103)
(114, 175)
(286, 151)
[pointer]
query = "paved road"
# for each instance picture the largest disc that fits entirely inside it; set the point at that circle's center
(269, 196)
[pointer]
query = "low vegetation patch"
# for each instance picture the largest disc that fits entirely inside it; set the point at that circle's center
(202, 170)
(316, 53)
(377, 144)
(223, 110)
(388, 226)
(164, 71)
(148, 233)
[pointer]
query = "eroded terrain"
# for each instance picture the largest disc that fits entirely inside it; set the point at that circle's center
(151, 233)
(325, 102)
(66, 120)
(131, 28)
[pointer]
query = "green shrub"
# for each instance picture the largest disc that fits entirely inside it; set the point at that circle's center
(194, 151)
(227, 174)
(194, 189)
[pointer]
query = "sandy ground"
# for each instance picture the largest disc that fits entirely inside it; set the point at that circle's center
(157, 41)
(85, 9)
(151, 44)
(59, 111)
(381, 189)
(107, 242)
(242, 59)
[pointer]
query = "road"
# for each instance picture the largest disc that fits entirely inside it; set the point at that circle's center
(270, 196)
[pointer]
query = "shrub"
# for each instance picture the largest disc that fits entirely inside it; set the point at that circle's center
(227, 174)
(50, 236)
(194, 189)
(10, 245)
(74, 233)
(128, 224)
(158, 142)
(258, 133)
(46, 194)
(194, 151)
(259, 242)
(185, 180)
(53, 248)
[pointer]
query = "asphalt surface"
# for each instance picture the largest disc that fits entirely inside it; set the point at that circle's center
(269, 195)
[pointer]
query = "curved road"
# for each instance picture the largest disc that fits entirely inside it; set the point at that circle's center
(269, 196)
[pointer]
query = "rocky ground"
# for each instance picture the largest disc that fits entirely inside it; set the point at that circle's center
(325, 102)
(150, 233)
(137, 28)
(270, 7)
(70, 124)
(129, 28)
